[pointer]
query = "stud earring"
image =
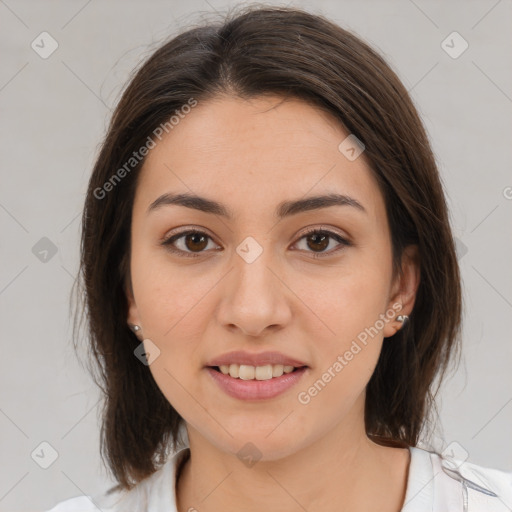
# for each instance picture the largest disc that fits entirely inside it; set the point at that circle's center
(134, 328)
(402, 318)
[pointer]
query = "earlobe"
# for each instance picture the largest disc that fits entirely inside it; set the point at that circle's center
(395, 325)
(404, 290)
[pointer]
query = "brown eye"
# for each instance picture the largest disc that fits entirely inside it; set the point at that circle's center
(196, 241)
(190, 243)
(318, 240)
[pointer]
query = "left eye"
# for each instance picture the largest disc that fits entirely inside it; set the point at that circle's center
(194, 242)
(320, 239)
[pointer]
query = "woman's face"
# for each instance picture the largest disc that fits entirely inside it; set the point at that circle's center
(256, 280)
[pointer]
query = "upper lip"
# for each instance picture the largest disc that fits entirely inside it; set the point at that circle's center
(254, 359)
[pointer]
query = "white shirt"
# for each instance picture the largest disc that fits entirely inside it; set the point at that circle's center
(435, 484)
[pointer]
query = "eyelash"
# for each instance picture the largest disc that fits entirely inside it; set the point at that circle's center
(169, 241)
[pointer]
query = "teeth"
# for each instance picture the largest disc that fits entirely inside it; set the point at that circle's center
(247, 372)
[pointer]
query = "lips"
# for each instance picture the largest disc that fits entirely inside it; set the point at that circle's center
(255, 359)
(256, 389)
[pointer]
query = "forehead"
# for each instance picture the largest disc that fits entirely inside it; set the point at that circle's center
(256, 152)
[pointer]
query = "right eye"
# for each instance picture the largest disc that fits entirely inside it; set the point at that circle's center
(193, 244)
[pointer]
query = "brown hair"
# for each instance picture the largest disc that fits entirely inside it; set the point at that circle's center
(291, 53)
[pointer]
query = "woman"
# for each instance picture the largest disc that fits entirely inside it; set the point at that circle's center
(271, 282)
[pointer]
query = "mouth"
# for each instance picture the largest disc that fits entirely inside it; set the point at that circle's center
(250, 383)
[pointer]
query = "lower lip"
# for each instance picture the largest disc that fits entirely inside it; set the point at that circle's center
(256, 389)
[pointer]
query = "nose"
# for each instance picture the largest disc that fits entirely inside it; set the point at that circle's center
(255, 297)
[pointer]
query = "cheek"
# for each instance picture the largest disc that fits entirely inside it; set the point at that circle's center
(351, 307)
(166, 294)
(346, 359)
(350, 301)
(174, 307)
(172, 310)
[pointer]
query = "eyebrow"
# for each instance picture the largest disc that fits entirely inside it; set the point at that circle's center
(284, 209)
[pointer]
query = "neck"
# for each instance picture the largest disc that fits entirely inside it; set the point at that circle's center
(340, 471)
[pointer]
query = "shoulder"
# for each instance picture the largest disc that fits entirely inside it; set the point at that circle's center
(106, 502)
(485, 489)
(154, 494)
(79, 504)
(460, 485)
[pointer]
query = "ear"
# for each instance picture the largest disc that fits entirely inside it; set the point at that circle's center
(404, 288)
(133, 313)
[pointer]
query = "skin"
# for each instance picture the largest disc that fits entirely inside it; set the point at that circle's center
(250, 155)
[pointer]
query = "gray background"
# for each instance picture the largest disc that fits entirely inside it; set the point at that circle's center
(53, 115)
